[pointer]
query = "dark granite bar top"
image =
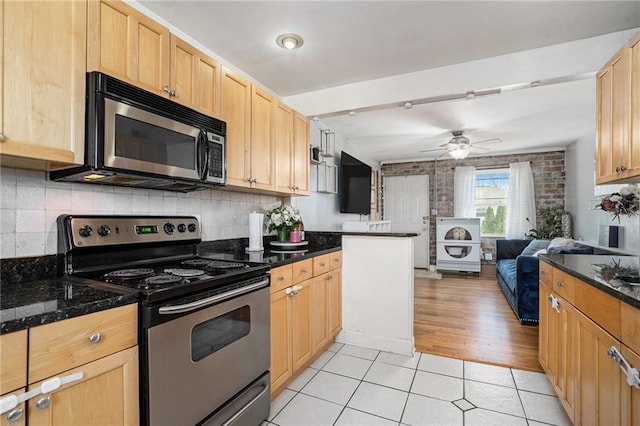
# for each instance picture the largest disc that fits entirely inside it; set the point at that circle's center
(32, 303)
(603, 272)
(382, 234)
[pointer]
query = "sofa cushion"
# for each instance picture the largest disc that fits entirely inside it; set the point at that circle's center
(507, 269)
(561, 242)
(535, 246)
(577, 249)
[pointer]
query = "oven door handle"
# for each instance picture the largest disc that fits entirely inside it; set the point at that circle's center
(188, 307)
(246, 407)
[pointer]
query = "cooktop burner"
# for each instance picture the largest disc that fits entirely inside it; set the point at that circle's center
(196, 263)
(128, 275)
(184, 272)
(159, 281)
(216, 264)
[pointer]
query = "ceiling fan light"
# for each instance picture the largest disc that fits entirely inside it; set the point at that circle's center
(460, 152)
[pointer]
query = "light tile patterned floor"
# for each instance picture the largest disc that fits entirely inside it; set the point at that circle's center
(349, 385)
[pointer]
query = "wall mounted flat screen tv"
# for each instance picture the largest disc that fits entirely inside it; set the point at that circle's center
(355, 185)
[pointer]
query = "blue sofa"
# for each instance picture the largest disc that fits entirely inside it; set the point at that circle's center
(518, 278)
(517, 274)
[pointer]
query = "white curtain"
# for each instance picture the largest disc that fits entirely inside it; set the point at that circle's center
(521, 204)
(464, 191)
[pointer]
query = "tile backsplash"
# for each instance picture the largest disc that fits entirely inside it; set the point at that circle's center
(30, 205)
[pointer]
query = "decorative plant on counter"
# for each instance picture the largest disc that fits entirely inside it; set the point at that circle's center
(625, 202)
(551, 226)
(283, 219)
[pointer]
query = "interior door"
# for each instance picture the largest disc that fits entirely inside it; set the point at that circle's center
(406, 202)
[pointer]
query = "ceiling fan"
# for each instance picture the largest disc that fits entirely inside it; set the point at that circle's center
(459, 146)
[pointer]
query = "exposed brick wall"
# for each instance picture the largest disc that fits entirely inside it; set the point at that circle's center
(548, 170)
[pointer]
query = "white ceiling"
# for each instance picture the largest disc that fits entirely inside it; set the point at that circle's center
(347, 43)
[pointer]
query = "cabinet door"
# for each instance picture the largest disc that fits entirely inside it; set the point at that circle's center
(18, 415)
(107, 394)
(546, 324)
(301, 325)
(195, 77)
(262, 139)
(630, 394)
(613, 115)
(319, 312)
(334, 302)
(128, 45)
(300, 154)
(284, 152)
(634, 163)
(236, 111)
(565, 378)
(281, 365)
(42, 82)
(13, 361)
(598, 376)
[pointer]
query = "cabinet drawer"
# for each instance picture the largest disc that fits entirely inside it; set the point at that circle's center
(336, 260)
(321, 264)
(281, 277)
(630, 319)
(13, 361)
(601, 308)
(63, 345)
(302, 270)
(565, 285)
(546, 273)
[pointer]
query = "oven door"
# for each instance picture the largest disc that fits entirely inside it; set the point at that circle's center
(136, 139)
(200, 360)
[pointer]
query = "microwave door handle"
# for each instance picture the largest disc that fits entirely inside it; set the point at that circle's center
(202, 155)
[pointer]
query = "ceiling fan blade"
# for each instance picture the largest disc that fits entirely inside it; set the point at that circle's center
(445, 144)
(481, 148)
(487, 141)
(432, 149)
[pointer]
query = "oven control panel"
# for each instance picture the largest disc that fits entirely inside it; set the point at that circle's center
(88, 231)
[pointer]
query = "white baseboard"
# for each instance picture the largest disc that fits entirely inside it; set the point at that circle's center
(402, 347)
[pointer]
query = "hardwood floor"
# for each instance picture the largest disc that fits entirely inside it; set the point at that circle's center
(467, 317)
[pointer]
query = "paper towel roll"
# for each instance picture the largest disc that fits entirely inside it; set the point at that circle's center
(255, 231)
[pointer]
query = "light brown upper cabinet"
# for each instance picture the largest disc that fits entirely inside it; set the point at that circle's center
(250, 116)
(42, 88)
(292, 151)
(128, 45)
(195, 78)
(618, 116)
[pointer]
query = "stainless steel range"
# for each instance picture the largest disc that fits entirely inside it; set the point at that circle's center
(204, 323)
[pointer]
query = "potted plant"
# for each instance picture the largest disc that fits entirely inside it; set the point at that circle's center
(283, 219)
(551, 226)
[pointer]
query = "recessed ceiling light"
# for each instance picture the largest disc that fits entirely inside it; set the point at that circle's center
(289, 41)
(352, 114)
(408, 105)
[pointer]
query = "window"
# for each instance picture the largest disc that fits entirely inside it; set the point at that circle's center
(491, 200)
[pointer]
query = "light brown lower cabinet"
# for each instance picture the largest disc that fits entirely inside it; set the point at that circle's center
(577, 343)
(107, 394)
(305, 314)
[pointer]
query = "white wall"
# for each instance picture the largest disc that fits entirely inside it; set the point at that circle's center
(30, 205)
(321, 211)
(580, 198)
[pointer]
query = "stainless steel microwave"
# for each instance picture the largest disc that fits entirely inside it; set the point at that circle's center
(139, 139)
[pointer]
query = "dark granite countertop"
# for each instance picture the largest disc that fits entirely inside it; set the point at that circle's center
(601, 271)
(270, 255)
(32, 303)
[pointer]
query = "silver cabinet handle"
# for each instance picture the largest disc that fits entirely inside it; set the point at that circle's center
(281, 278)
(167, 89)
(43, 402)
(15, 415)
(560, 283)
(304, 271)
(95, 338)
(632, 374)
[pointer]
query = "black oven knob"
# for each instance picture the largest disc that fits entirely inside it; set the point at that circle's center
(182, 227)
(85, 231)
(169, 228)
(192, 227)
(104, 230)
